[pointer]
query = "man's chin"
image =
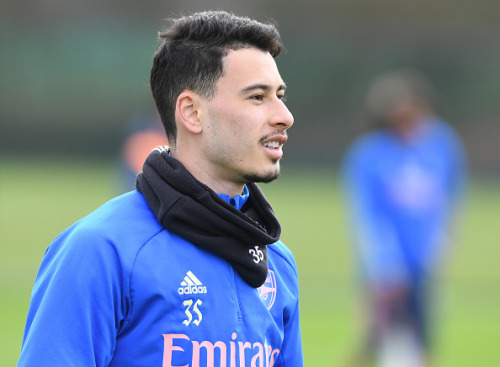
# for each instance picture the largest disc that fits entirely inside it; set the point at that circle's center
(264, 177)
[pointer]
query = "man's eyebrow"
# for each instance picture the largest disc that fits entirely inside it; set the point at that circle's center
(262, 86)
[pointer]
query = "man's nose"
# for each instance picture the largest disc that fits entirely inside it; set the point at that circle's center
(282, 116)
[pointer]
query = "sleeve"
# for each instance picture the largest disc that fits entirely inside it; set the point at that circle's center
(374, 237)
(291, 351)
(458, 169)
(456, 186)
(76, 306)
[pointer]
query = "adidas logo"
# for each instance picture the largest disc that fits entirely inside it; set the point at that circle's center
(191, 285)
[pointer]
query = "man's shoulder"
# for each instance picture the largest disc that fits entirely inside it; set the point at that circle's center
(444, 132)
(280, 253)
(369, 143)
(124, 223)
(373, 140)
(127, 213)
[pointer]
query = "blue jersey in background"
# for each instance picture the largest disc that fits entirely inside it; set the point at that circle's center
(402, 195)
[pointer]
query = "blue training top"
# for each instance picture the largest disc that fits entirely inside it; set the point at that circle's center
(118, 289)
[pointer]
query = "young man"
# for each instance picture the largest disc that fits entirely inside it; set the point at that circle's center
(188, 269)
(403, 181)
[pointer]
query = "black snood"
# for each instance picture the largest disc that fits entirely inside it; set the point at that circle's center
(192, 210)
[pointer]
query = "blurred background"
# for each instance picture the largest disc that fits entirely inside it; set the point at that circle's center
(74, 74)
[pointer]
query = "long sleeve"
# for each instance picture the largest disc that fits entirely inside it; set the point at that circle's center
(76, 306)
(291, 351)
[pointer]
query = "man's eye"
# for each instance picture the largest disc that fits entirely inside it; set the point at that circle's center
(258, 97)
(282, 97)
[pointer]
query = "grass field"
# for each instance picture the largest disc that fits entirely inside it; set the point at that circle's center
(39, 198)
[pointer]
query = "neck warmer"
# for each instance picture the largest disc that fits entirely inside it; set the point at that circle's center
(195, 212)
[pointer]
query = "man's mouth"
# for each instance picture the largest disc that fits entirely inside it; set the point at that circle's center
(274, 140)
(272, 144)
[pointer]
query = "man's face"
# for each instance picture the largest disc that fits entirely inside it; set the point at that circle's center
(405, 116)
(245, 123)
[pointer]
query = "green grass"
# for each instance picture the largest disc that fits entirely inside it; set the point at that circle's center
(39, 198)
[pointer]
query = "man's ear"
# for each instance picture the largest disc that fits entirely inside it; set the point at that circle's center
(187, 111)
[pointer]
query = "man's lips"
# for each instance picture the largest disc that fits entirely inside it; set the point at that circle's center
(274, 141)
(273, 145)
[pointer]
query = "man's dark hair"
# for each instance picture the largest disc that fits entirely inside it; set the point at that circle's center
(191, 52)
(390, 89)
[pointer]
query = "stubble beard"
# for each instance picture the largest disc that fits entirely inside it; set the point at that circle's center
(265, 177)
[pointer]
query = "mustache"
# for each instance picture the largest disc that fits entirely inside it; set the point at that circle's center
(277, 132)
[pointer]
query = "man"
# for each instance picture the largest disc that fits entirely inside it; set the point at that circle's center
(403, 181)
(144, 133)
(188, 269)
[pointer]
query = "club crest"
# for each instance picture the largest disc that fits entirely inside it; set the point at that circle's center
(267, 291)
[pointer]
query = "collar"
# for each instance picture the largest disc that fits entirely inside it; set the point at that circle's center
(236, 201)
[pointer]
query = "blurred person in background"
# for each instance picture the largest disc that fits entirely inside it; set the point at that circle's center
(189, 269)
(145, 133)
(403, 181)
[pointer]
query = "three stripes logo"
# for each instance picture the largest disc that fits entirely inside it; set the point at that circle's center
(191, 285)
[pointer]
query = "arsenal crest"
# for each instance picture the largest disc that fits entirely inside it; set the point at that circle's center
(267, 291)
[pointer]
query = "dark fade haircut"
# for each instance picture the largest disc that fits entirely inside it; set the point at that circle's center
(191, 53)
